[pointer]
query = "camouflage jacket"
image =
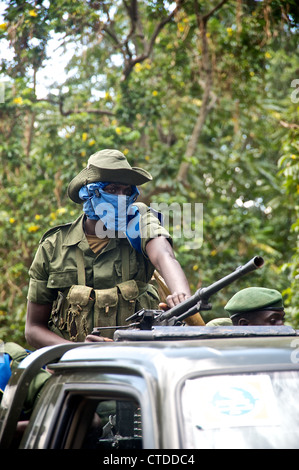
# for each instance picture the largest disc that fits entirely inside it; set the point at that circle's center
(108, 287)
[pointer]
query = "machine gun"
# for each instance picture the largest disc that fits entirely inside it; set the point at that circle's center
(146, 319)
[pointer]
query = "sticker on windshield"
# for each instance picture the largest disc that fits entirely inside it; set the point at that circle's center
(228, 401)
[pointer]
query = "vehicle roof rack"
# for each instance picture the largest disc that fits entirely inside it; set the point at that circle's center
(162, 333)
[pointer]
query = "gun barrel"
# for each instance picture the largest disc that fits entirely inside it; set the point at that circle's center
(254, 263)
(205, 292)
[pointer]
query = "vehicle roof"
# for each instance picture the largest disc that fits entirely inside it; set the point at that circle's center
(253, 351)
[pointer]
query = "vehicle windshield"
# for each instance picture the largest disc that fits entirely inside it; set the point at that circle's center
(245, 411)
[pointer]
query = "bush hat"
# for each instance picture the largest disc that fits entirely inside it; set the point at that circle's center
(107, 165)
(254, 299)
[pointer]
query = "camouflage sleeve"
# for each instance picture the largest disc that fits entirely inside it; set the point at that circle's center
(38, 292)
(150, 227)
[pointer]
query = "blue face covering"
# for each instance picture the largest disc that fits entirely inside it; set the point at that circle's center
(113, 210)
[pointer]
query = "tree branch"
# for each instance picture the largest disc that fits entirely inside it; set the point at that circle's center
(59, 103)
(209, 98)
(136, 29)
(148, 48)
(289, 125)
(132, 11)
(87, 110)
(207, 16)
(146, 198)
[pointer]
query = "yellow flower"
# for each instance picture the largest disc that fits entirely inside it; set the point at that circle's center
(252, 74)
(84, 136)
(268, 55)
(154, 93)
(61, 210)
(53, 216)
(214, 252)
(229, 31)
(118, 130)
(37, 217)
(293, 157)
(197, 102)
(126, 151)
(138, 67)
(147, 157)
(18, 100)
(3, 26)
(195, 267)
(12, 220)
(33, 228)
(32, 13)
(114, 122)
(107, 96)
(83, 153)
(91, 142)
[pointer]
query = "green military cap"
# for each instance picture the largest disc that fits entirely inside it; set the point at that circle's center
(107, 165)
(254, 299)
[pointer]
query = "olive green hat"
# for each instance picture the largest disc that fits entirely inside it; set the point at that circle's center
(254, 299)
(107, 165)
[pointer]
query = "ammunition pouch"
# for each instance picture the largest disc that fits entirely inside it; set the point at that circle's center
(80, 303)
(81, 308)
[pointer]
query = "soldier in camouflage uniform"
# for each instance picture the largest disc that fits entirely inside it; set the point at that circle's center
(91, 273)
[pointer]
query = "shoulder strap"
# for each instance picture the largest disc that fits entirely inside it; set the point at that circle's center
(125, 261)
(80, 267)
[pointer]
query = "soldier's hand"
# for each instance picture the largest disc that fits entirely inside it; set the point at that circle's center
(96, 339)
(174, 299)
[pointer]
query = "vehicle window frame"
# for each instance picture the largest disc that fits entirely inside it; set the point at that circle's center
(63, 423)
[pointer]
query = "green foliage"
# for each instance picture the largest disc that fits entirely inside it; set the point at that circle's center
(144, 95)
